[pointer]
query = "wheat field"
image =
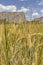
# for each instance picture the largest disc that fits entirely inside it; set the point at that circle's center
(21, 44)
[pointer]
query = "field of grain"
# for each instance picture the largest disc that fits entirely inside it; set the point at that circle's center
(21, 44)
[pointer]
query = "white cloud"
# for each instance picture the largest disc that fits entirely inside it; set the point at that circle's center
(42, 11)
(23, 9)
(10, 8)
(35, 14)
(41, 2)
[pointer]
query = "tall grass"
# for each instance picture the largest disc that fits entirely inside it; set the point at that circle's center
(21, 44)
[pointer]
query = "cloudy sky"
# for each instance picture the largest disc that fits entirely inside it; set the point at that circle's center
(34, 7)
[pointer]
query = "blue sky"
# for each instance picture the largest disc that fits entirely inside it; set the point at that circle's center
(27, 6)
